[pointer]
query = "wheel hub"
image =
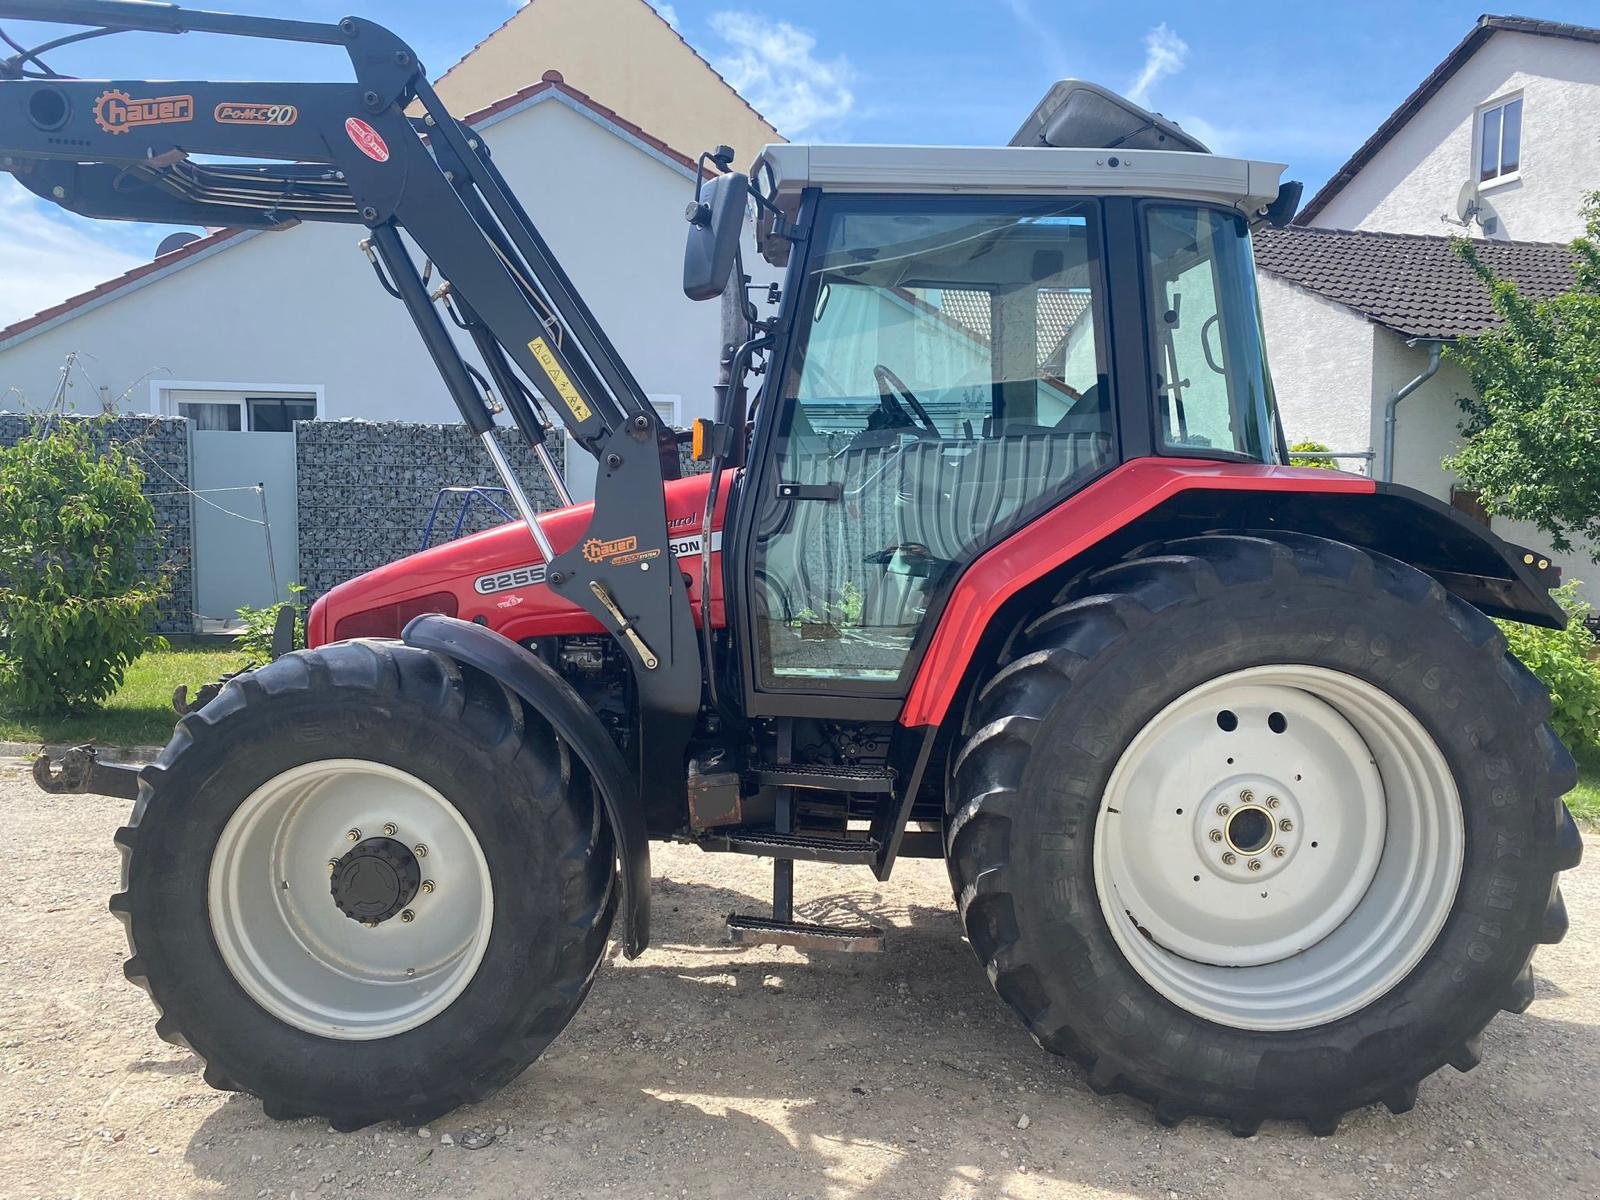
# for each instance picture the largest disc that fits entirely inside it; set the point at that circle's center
(1278, 846)
(375, 880)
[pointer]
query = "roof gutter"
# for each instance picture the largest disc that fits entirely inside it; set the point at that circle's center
(1392, 405)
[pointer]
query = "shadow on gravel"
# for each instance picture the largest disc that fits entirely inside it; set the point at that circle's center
(750, 1072)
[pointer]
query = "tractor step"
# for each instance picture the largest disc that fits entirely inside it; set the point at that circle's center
(764, 931)
(827, 777)
(794, 846)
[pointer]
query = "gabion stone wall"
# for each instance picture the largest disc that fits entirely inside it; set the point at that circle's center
(161, 445)
(366, 487)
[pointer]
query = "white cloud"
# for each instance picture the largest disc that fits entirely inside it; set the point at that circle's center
(668, 14)
(774, 66)
(46, 260)
(1164, 55)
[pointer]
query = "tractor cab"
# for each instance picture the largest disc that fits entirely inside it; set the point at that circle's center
(967, 336)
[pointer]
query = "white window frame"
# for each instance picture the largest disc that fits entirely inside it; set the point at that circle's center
(161, 395)
(1481, 112)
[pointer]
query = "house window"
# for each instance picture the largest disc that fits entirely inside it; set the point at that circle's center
(277, 414)
(221, 408)
(1500, 139)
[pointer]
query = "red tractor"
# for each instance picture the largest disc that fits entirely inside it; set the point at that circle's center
(1246, 808)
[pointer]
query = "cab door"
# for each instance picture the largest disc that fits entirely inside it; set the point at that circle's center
(946, 380)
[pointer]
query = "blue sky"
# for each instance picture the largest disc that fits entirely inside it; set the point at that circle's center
(1254, 78)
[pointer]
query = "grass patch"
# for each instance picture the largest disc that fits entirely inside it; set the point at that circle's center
(139, 714)
(1584, 800)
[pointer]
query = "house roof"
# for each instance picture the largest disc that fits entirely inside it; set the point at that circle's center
(219, 239)
(1487, 26)
(655, 12)
(1414, 284)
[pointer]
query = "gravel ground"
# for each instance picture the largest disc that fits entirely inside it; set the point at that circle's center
(703, 1071)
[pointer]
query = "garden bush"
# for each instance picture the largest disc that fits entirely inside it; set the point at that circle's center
(76, 602)
(1566, 661)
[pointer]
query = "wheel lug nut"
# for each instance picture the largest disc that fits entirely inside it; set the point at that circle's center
(408, 916)
(1215, 835)
(1246, 796)
(391, 829)
(1273, 802)
(1223, 810)
(353, 836)
(370, 924)
(1255, 864)
(1286, 825)
(1228, 859)
(1278, 852)
(427, 887)
(420, 850)
(333, 865)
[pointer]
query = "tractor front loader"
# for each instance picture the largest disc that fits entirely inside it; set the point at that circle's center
(1246, 808)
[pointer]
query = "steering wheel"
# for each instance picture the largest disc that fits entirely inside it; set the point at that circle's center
(892, 390)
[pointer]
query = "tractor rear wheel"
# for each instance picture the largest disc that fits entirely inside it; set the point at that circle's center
(1261, 827)
(365, 883)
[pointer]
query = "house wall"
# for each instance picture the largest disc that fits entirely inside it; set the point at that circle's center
(302, 308)
(625, 56)
(1427, 432)
(1320, 355)
(1413, 181)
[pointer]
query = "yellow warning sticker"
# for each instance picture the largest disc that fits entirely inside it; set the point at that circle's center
(569, 394)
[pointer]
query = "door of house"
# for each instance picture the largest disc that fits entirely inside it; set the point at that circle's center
(242, 470)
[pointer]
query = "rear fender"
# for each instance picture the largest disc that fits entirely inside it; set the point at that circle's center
(553, 698)
(1152, 500)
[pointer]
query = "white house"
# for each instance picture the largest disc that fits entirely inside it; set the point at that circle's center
(1362, 292)
(1510, 119)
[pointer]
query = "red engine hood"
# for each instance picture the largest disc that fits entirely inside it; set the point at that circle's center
(497, 577)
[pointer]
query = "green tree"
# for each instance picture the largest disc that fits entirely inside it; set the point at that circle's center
(1533, 428)
(1300, 448)
(76, 603)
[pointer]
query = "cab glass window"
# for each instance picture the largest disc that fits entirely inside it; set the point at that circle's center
(1213, 392)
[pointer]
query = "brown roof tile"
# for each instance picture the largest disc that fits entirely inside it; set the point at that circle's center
(1414, 284)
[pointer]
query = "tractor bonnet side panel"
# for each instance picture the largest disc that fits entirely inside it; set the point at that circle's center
(497, 578)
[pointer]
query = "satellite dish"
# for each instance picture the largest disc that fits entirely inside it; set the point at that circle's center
(1467, 206)
(175, 241)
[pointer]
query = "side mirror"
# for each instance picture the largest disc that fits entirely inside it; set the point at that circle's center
(716, 221)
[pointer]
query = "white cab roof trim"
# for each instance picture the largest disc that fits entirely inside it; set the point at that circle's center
(1045, 169)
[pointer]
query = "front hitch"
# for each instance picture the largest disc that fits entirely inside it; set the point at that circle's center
(79, 771)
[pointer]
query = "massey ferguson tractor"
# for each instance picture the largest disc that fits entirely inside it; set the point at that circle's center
(993, 556)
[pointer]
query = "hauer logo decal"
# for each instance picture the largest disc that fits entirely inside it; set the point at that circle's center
(255, 114)
(118, 112)
(367, 139)
(594, 550)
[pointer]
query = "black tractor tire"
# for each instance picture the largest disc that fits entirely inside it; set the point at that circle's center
(528, 802)
(1079, 681)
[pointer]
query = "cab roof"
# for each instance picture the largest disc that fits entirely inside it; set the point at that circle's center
(1080, 140)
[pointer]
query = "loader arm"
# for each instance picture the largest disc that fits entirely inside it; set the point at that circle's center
(270, 154)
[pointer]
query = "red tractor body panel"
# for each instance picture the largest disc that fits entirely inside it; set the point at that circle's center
(497, 578)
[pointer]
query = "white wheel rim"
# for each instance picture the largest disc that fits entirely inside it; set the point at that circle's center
(1348, 812)
(293, 949)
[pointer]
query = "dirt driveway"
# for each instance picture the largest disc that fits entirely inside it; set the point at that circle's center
(699, 1071)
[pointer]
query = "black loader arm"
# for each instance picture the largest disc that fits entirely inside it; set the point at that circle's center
(270, 154)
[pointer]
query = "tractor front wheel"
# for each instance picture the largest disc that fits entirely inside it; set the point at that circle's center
(365, 883)
(1261, 826)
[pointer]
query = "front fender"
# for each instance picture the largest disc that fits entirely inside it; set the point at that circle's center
(554, 699)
